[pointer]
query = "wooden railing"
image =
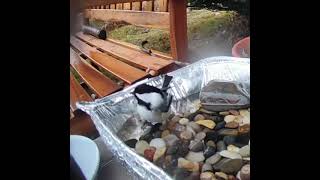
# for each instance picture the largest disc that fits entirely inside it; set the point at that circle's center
(165, 14)
(137, 5)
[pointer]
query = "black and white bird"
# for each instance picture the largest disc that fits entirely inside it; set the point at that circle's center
(152, 101)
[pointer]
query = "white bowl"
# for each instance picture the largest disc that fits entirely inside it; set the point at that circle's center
(86, 154)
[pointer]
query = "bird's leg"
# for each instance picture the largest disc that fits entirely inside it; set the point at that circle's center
(146, 124)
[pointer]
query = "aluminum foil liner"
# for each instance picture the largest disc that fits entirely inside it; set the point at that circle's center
(116, 119)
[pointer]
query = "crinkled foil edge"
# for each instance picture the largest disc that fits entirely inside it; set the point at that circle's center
(110, 113)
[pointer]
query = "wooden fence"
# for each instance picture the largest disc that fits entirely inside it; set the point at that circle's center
(150, 5)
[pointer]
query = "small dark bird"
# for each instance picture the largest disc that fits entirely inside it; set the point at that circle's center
(152, 101)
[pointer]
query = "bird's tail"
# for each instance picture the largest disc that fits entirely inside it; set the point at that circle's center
(166, 82)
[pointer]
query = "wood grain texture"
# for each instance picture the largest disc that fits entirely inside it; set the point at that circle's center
(136, 6)
(99, 83)
(158, 20)
(163, 5)
(77, 93)
(178, 29)
(119, 6)
(130, 56)
(137, 48)
(147, 5)
(118, 68)
(127, 6)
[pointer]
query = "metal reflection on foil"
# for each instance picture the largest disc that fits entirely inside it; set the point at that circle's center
(116, 119)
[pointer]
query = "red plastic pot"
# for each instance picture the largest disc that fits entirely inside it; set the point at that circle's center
(242, 48)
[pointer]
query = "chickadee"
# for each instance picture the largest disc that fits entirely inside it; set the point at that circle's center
(152, 101)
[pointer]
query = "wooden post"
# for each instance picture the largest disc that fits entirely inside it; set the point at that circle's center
(178, 29)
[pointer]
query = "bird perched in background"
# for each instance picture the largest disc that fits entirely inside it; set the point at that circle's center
(152, 101)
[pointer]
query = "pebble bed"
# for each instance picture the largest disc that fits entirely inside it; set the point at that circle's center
(201, 146)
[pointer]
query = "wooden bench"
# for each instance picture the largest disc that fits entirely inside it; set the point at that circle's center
(107, 66)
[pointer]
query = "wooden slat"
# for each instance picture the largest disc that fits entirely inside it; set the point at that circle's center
(77, 93)
(136, 6)
(135, 47)
(83, 125)
(130, 56)
(112, 6)
(119, 6)
(127, 6)
(99, 83)
(156, 5)
(120, 69)
(71, 114)
(158, 20)
(163, 5)
(147, 6)
(178, 29)
(100, 2)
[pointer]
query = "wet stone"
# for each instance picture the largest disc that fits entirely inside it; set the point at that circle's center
(211, 136)
(131, 143)
(207, 123)
(230, 154)
(147, 137)
(218, 119)
(207, 176)
(233, 148)
(159, 153)
(244, 128)
(170, 139)
(224, 113)
(188, 128)
(157, 143)
(196, 127)
(157, 134)
(228, 132)
(194, 176)
(155, 127)
(245, 172)
(245, 151)
(228, 166)
(195, 156)
(221, 176)
(231, 177)
(228, 140)
(213, 159)
(188, 165)
(165, 133)
(232, 125)
(206, 167)
(183, 149)
(186, 135)
(234, 112)
(209, 151)
(198, 117)
(141, 146)
(172, 149)
(229, 118)
(149, 153)
(212, 144)
(221, 146)
(181, 174)
(220, 125)
(196, 146)
(200, 136)
(180, 128)
(184, 121)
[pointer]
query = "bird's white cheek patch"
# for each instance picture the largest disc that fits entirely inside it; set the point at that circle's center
(154, 99)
